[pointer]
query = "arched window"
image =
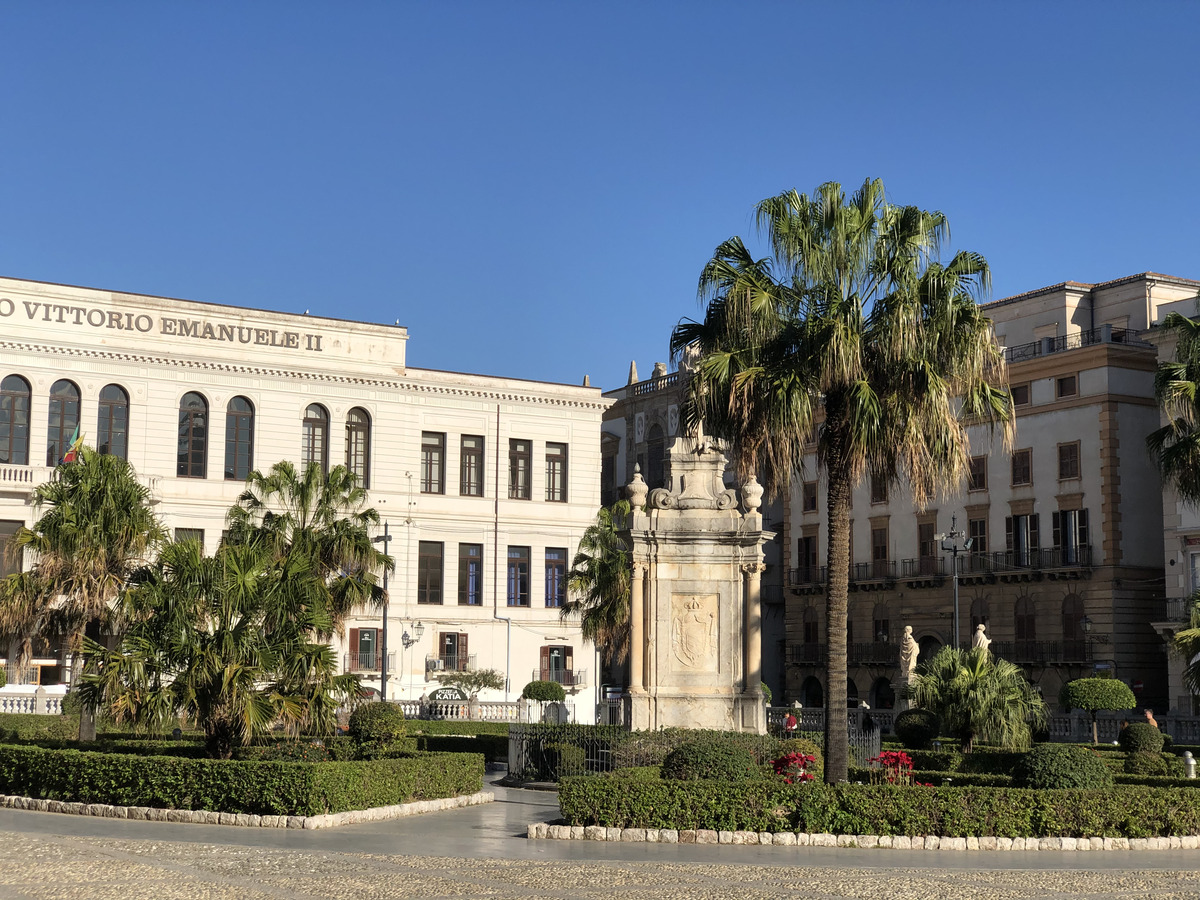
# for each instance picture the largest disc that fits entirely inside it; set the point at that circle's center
(883, 695)
(358, 445)
(112, 425)
(192, 455)
(316, 438)
(14, 420)
(1025, 622)
(881, 630)
(811, 694)
(63, 422)
(655, 450)
(1072, 627)
(851, 694)
(239, 439)
(979, 613)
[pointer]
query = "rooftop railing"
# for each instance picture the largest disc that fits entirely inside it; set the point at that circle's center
(1105, 334)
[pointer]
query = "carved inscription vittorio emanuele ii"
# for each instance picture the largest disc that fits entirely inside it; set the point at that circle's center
(694, 630)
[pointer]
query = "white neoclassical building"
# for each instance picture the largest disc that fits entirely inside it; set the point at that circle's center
(485, 483)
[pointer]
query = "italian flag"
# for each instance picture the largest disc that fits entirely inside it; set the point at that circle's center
(72, 453)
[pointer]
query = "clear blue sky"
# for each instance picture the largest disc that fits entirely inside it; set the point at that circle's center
(533, 188)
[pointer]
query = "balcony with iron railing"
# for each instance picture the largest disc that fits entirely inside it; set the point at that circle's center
(450, 662)
(1105, 334)
(876, 653)
(1178, 609)
(1044, 653)
(807, 654)
(568, 678)
(924, 567)
(368, 661)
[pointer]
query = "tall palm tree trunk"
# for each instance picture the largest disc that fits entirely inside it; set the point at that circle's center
(837, 737)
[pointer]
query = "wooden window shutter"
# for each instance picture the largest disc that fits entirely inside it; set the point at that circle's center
(1008, 532)
(570, 660)
(463, 655)
(353, 640)
(1056, 529)
(1034, 541)
(1081, 518)
(544, 663)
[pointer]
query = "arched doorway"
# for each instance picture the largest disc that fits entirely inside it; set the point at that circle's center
(929, 646)
(851, 693)
(883, 696)
(811, 693)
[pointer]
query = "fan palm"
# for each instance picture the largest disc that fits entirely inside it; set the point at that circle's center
(323, 518)
(1175, 446)
(852, 335)
(96, 527)
(599, 583)
(977, 696)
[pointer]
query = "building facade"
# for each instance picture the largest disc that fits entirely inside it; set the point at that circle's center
(1065, 564)
(485, 483)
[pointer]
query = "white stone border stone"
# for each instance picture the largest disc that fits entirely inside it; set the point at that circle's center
(207, 817)
(560, 832)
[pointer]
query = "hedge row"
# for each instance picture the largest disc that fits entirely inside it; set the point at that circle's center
(494, 747)
(769, 805)
(34, 727)
(260, 788)
(441, 726)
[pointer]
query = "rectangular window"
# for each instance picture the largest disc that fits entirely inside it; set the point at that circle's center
(1022, 467)
(429, 572)
(518, 576)
(879, 489)
(977, 474)
(364, 647)
(556, 576)
(927, 547)
(1069, 533)
(555, 664)
(808, 502)
(470, 466)
(1022, 539)
(1067, 386)
(190, 534)
(470, 574)
(608, 481)
(1068, 460)
(806, 555)
(1020, 394)
(977, 532)
(519, 455)
(433, 463)
(452, 652)
(879, 552)
(556, 473)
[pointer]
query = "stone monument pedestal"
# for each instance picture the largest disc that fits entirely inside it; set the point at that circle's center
(696, 617)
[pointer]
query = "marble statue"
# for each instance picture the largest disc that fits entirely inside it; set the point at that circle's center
(980, 640)
(908, 655)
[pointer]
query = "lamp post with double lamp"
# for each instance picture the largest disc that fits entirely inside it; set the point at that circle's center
(950, 541)
(383, 667)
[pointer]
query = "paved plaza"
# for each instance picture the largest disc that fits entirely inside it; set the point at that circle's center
(482, 852)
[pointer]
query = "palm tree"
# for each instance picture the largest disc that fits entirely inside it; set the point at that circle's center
(96, 527)
(323, 518)
(977, 696)
(230, 642)
(854, 336)
(600, 582)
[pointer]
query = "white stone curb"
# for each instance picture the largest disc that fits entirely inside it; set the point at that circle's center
(206, 817)
(559, 832)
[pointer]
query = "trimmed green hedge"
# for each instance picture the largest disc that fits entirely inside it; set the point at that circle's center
(34, 727)
(494, 747)
(260, 788)
(770, 805)
(440, 726)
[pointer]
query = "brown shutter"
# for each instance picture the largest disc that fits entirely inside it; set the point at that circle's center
(544, 660)
(463, 656)
(354, 640)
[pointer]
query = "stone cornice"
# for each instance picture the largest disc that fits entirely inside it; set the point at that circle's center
(416, 387)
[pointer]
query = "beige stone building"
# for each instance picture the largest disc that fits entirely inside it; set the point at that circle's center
(1065, 568)
(486, 483)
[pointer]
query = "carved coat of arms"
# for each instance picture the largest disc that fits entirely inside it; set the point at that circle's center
(693, 633)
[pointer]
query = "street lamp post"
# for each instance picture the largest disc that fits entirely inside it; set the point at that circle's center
(952, 538)
(383, 667)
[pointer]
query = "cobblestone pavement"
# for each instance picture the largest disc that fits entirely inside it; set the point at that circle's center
(40, 866)
(481, 852)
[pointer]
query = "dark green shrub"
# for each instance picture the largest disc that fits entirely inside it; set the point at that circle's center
(991, 762)
(34, 727)
(376, 723)
(494, 747)
(771, 805)
(709, 759)
(1140, 737)
(261, 788)
(71, 704)
(1062, 766)
(936, 760)
(562, 760)
(447, 726)
(650, 748)
(544, 692)
(286, 751)
(916, 728)
(3, 677)
(651, 773)
(1145, 762)
(807, 747)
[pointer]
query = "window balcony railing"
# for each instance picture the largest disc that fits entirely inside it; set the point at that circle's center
(568, 678)
(368, 661)
(928, 566)
(1044, 653)
(1105, 334)
(772, 594)
(807, 575)
(1066, 557)
(807, 654)
(1178, 609)
(450, 662)
(877, 653)
(876, 570)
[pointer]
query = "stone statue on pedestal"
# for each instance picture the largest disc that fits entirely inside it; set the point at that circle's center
(980, 640)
